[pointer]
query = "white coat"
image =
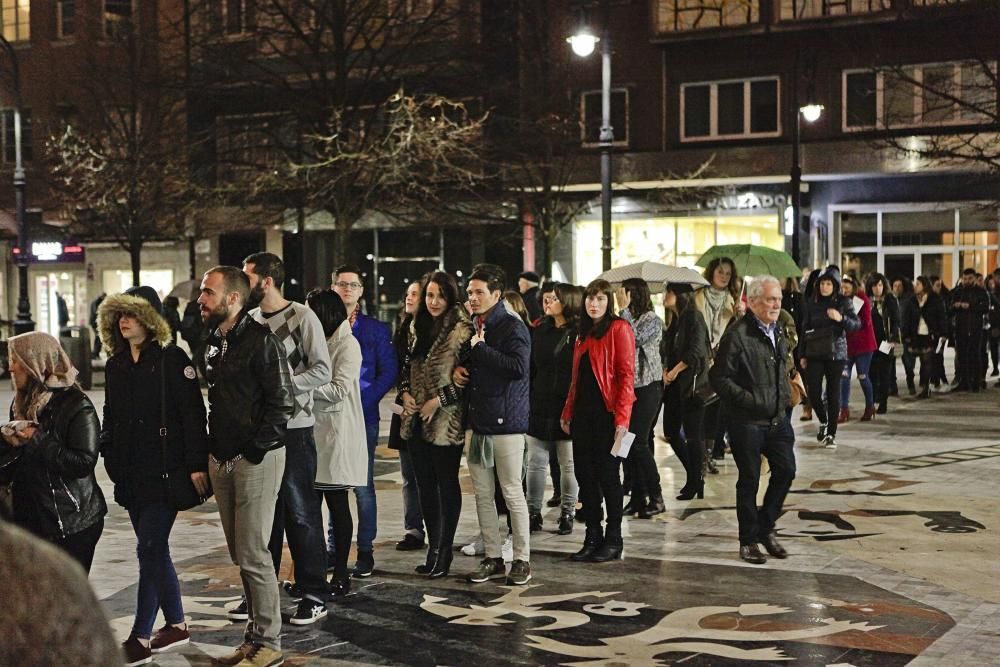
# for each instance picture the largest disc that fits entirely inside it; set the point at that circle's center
(341, 442)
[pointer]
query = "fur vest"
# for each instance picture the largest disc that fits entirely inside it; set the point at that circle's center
(430, 375)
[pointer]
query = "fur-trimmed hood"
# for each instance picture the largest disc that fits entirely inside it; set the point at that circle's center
(115, 305)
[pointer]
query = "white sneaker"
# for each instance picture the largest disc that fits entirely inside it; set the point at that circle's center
(476, 548)
(507, 550)
(830, 442)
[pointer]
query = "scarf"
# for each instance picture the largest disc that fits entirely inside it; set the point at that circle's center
(353, 317)
(715, 301)
(47, 363)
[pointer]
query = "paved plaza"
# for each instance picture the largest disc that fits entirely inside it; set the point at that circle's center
(893, 541)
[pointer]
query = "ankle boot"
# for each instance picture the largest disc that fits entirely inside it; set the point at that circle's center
(565, 524)
(635, 503)
(653, 507)
(697, 489)
(844, 416)
(428, 565)
(535, 522)
(442, 564)
(869, 413)
(612, 549)
(591, 543)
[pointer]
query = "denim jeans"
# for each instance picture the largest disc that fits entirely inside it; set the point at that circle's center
(864, 363)
(158, 586)
(775, 442)
(413, 516)
(365, 496)
(299, 513)
(246, 499)
(538, 468)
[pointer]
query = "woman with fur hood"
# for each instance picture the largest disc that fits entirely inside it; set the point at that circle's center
(432, 420)
(151, 385)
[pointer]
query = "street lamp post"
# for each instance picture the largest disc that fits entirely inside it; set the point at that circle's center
(583, 43)
(23, 323)
(811, 112)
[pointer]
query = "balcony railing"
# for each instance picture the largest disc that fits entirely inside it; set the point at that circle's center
(684, 15)
(794, 10)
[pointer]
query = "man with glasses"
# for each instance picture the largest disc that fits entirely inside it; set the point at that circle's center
(379, 371)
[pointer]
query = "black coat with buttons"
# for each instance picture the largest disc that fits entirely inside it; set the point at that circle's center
(133, 450)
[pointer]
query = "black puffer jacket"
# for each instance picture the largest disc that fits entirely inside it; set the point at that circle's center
(497, 392)
(749, 373)
(551, 373)
(249, 391)
(54, 489)
(814, 314)
(130, 433)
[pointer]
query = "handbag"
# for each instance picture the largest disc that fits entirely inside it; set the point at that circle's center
(797, 390)
(701, 390)
(819, 344)
(181, 494)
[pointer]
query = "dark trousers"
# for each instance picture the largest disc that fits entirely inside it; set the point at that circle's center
(341, 529)
(969, 358)
(994, 347)
(81, 546)
(683, 418)
(158, 586)
(882, 368)
(909, 366)
(776, 443)
(645, 477)
(597, 471)
(436, 468)
(816, 371)
(299, 513)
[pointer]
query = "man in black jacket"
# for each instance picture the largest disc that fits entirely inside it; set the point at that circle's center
(751, 379)
(250, 402)
(969, 305)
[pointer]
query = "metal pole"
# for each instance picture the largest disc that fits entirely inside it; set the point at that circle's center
(606, 139)
(796, 176)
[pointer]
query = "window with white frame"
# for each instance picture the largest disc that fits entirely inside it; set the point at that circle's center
(730, 109)
(65, 19)
(8, 137)
(15, 20)
(232, 17)
(118, 17)
(949, 93)
(591, 115)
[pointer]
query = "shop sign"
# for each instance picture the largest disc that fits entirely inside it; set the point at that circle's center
(743, 201)
(53, 251)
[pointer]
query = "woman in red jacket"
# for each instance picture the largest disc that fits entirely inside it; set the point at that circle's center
(596, 414)
(861, 348)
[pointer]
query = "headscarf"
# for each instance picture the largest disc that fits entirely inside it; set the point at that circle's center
(47, 363)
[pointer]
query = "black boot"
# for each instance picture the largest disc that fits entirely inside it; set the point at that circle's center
(565, 524)
(340, 585)
(612, 549)
(534, 522)
(442, 564)
(591, 543)
(428, 565)
(635, 504)
(695, 491)
(653, 507)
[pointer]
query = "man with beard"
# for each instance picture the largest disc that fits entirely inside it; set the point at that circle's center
(250, 402)
(969, 305)
(298, 511)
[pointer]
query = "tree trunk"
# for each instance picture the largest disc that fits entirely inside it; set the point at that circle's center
(135, 258)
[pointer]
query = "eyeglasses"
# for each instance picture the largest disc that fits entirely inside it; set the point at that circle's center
(345, 285)
(550, 299)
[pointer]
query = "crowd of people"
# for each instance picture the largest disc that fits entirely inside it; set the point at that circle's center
(550, 380)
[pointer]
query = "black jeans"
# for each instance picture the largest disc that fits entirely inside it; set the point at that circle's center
(81, 545)
(597, 471)
(436, 469)
(816, 371)
(881, 371)
(776, 443)
(688, 414)
(299, 512)
(645, 476)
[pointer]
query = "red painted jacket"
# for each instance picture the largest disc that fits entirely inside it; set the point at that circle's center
(863, 340)
(612, 359)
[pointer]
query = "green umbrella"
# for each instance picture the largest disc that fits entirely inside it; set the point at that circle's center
(754, 260)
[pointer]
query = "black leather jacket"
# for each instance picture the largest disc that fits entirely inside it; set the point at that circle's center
(249, 391)
(54, 489)
(749, 373)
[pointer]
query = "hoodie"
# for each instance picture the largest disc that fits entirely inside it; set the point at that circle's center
(814, 313)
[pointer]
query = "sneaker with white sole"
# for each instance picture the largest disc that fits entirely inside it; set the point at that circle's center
(489, 568)
(136, 653)
(240, 612)
(168, 637)
(309, 612)
(520, 573)
(476, 548)
(830, 442)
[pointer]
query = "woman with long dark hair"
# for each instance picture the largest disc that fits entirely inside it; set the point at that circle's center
(924, 324)
(861, 348)
(341, 445)
(551, 371)
(141, 361)
(432, 415)
(636, 308)
(685, 367)
(885, 321)
(826, 319)
(596, 414)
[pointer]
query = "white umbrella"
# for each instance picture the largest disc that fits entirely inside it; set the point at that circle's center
(655, 274)
(187, 289)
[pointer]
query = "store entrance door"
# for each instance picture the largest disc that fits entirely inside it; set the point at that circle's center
(913, 261)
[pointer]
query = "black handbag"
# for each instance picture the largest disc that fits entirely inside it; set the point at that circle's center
(181, 494)
(702, 392)
(819, 344)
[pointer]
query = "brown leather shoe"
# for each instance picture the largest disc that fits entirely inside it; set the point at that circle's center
(772, 545)
(236, 657)
(751, 554)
